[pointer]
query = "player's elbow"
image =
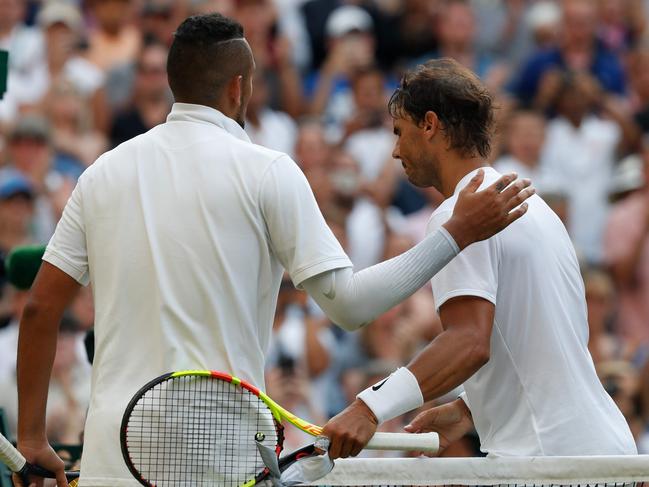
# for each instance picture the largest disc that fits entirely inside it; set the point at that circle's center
(480, 353)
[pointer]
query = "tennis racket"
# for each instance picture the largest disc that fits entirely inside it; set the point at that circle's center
(13, 459)
(203, 428)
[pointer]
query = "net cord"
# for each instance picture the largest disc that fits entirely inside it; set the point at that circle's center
(489, 471)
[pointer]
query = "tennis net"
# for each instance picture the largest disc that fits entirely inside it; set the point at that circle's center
(524, 471)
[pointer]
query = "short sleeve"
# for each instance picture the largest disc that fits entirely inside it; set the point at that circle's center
(473, 272)
(299, 236)
(67, 248)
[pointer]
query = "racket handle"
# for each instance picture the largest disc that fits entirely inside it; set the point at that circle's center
(404, 441)
(10, 456)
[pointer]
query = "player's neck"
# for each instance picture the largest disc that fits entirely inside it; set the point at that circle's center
(454, 168)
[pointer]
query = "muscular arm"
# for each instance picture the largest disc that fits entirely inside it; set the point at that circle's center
(460, 350)
(449, 360)
(52, 292)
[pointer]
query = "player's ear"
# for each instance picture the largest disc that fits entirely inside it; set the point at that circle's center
(235, 90)
(430, 124)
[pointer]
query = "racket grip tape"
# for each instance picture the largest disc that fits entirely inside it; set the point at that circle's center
(428, 442)
(10, 456)
(13, 459)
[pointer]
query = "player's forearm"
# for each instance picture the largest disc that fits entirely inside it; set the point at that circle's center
(352, 300)
(448, 361)
(36, 350)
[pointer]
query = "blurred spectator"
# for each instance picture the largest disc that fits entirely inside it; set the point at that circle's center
(512, 29)
(456, 35)
(16, 209)
(365, 220)
(273, 52)
(73, 135)
(626, 244)
(31, 153)
(524, 140)
(201, 7)
(9, 339)
(415, 224)
(368, 132)
(544, 20)
(62, 26)
(265, 126)
(620, 380)
(151, 100)
(157, 22)
(603, 345)
(350, 47)
(578, 50)
(580, 153)
(639, 78)
(26, 82)
(312, 150)
(69, 390)
(114, 40)
(621, 24)
(407, 34)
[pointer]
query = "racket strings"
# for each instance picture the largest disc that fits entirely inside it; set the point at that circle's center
(199, 431)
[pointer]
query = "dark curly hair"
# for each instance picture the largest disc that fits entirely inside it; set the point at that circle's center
(201, 60)
(461, 102)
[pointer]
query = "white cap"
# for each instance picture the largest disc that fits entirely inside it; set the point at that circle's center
(58, 11)
(348, 19)
(543, 14)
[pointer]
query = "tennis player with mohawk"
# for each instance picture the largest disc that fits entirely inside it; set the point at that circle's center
(512, 307)
(185, 232)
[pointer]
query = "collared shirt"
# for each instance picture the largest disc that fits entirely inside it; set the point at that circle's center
(539, 393)
(184, 233)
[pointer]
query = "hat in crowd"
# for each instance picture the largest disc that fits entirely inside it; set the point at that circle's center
(347, 19)
(628, 176)
(543, 14)
(59, 12)
(13, 183)
(31, 127)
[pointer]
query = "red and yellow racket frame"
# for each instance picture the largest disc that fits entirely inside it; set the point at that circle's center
(278, 412)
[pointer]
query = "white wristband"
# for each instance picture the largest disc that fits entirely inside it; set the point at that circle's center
(393, 396)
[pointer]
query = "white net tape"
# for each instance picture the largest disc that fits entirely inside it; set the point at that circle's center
(532, 471)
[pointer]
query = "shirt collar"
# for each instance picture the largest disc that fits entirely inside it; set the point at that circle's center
(189, 112)
(465, 180)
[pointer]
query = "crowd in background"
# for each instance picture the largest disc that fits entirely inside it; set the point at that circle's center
(571, 83)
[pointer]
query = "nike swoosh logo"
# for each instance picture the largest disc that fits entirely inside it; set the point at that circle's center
(380, 384)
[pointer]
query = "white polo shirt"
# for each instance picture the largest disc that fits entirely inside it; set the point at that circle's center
(184, 233)
(539, 393)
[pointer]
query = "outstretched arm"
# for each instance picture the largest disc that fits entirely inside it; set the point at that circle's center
(352, 300)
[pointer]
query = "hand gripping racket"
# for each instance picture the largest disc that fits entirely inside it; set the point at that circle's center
(13, 459)
(203, 428)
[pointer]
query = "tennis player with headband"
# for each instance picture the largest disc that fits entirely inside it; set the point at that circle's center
(512, 307)
(185, 232)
